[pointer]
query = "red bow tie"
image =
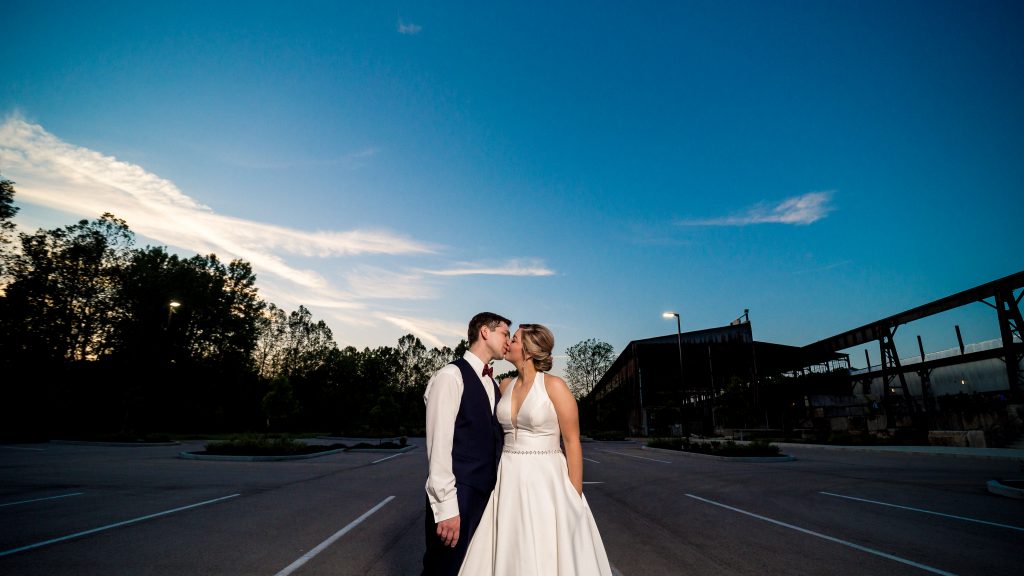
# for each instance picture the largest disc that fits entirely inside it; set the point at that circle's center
(488, 371)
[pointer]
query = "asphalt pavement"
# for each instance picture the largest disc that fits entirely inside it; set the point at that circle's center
(72, 509)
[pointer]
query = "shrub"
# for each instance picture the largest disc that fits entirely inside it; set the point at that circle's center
(668, 443)
(389, 445)
(607, 435)
(265, 445)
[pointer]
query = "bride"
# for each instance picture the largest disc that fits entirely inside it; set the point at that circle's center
(537, 521)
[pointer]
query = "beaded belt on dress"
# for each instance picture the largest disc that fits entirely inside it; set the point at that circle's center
(513, 451)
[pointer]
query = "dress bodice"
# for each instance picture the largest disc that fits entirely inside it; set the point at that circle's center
(536, 425)
(535, 523)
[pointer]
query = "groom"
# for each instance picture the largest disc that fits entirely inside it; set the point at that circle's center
(464, 442)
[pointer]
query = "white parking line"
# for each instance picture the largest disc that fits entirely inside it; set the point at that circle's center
(639, 457)
(589, 460)
(924, 511)
(41, 499)
(388, 458)
(827, 537)
(323, 545)
(109, 526)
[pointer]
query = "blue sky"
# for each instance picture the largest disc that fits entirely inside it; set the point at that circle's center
(399, 166)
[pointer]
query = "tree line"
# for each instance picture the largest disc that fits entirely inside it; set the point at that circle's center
(99, 338)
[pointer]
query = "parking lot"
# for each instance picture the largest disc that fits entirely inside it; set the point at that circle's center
(75, 509)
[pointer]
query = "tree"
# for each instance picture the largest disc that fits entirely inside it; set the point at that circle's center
(57, 320)
(292, 344)
(271, 329)
(189, 366)
(413, 366)
(61, 301)
(460, 349)
(351, 393)
(386, 415)
(243, 308)
(216, 318)
(219, 310)
(438, 357)
(279, 403)
(7, 235)
(587, 363)
(309, 343)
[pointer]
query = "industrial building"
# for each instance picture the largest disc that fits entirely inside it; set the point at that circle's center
(720, 381)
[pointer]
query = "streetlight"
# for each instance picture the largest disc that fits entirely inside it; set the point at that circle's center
(172, 306)
(679, 342)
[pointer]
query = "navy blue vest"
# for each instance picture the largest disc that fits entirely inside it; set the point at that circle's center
(478, 435)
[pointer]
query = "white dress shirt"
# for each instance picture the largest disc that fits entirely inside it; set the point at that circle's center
(443, 397)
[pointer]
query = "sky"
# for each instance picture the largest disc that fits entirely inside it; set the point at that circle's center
(397, 167)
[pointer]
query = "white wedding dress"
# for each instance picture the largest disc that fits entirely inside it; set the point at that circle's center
(535, 522)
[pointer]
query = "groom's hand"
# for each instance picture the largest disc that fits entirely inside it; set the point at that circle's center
(448, 531)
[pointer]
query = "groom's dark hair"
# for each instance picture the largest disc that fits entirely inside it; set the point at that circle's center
(489, 319)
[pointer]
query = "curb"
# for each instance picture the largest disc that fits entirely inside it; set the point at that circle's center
(231, 458)
(911, 450)
(997, 487)
(780, 458)
(382, 450)
(99, 443)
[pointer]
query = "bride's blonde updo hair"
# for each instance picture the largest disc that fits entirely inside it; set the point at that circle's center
(538, 342)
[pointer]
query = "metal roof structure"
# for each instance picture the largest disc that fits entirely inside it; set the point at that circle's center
(1005, 303)
(686, 369)
(653, 377)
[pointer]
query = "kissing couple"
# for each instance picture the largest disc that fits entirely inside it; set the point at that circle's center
(505, 481)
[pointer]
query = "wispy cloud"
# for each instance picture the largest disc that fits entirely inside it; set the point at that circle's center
(508, 268)
(79, 180)
(367, 301)
(409, 29)
(432, 332)
(374, 283)
(826, 267)
(799, 210)
(84, 182)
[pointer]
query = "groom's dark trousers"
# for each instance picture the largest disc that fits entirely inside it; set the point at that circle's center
(441, 560)
(476, 449)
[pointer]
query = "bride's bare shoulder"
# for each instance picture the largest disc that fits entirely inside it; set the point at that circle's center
(554, 384)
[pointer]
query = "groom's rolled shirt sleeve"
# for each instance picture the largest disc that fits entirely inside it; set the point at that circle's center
(442, 396)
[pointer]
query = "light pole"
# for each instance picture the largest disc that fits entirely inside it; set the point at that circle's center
(679, 343)
(172, 306)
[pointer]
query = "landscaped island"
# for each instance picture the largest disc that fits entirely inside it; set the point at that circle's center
(283, 445)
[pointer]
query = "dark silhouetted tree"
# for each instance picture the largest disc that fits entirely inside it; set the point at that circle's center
(7, 228)
(291, 344)
(57, 321)
(61, 302)
(279, 403)
(189, 366)
(587, 362)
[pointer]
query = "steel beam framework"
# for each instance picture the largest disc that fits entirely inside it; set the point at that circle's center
(1004, 301)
